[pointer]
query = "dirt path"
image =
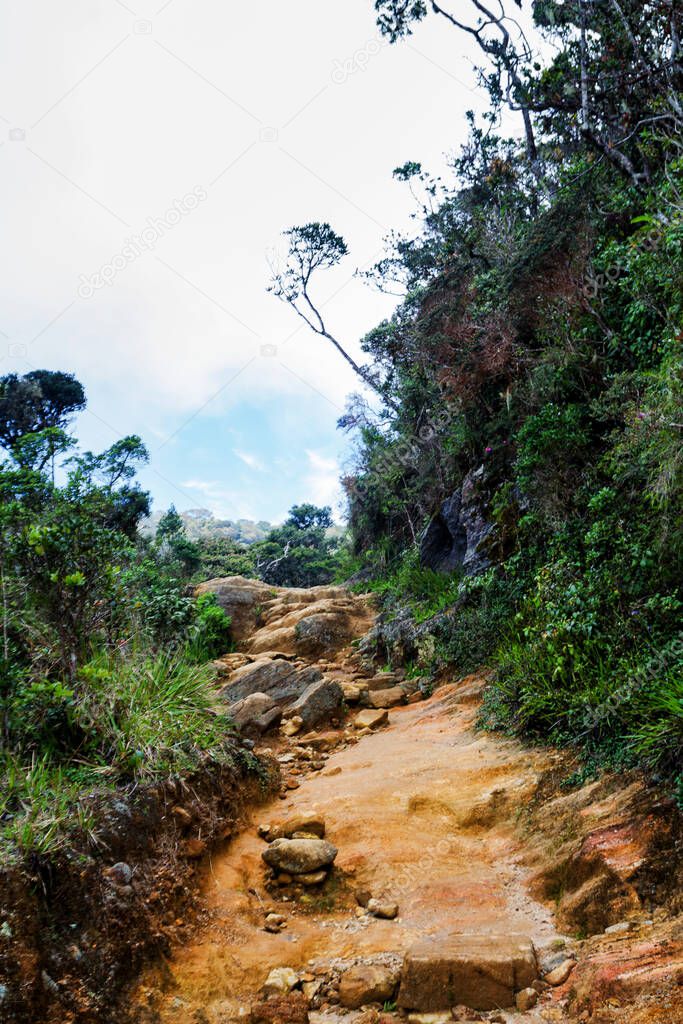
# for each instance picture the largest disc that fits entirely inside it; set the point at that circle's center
(422, 812)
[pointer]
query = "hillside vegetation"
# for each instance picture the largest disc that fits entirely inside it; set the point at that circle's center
(517, 493)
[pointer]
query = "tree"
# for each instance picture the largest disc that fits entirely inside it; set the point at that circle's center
(311, 247)
(299, 553)
(492, 29)
(170, 526)
(39, 401)
(306, 517)
(174, 545)
(113, 470)
(617, 76)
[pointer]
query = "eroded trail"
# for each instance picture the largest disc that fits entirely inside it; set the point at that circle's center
(436, 816)
(422, 812)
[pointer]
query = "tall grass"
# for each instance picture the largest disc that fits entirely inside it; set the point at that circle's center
(129, 718)
(426, 592)
(624, 711)
(157, 712)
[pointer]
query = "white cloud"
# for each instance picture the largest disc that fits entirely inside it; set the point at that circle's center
(250, 460)
(321, 464)
(322, 485)
(200, 485)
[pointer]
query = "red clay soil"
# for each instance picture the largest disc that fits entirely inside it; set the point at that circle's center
(467, 832)
(75, 933)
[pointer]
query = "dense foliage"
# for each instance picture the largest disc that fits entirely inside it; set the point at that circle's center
(302, 552)
(101, 647)
(538, 345)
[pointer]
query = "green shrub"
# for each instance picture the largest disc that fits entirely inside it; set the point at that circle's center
(210, 631)
(426, 592)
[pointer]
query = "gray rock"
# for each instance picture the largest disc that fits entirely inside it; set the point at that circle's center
(270, 720)
(318, 701)
(322, 632)
(250, 708)
(276, 678)
(456, 537)
(299, 856)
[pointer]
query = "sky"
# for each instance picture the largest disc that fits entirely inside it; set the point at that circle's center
(151, 154)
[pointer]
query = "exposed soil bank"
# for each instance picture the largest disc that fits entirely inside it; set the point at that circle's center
(76, 933)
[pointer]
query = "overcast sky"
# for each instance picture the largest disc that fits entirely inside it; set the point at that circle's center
(164, 147)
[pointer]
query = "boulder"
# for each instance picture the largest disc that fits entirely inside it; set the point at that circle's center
(319, 701)
(248, 710)
(351, 692)
(276, 678)
(366, 983)
(382, 681)
(371, 719)
(311, 822)
(241, 599)
(299, 856)
(387, 698)
(280, 982)
(480, 971)
(322, 632)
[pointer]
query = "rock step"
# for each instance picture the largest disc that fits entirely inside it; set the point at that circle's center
(484, 972)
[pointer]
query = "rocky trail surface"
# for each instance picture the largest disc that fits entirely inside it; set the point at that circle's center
(413, 867)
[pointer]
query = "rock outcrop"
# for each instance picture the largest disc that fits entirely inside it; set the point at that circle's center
(456, 537)
(242, 600)
(281, 680)
(322, 699)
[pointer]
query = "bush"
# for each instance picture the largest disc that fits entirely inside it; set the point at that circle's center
(210, 632)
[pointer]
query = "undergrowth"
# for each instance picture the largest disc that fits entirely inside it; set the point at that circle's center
(128, 719)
